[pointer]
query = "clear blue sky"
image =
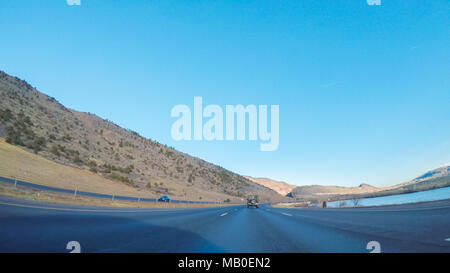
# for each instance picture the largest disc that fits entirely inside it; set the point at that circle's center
(364, 91)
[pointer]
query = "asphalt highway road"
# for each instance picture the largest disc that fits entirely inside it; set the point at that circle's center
(27, 226)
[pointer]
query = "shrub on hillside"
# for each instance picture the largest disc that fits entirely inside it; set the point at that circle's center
(54, 150)
(122, 179)
(6, 115)
(92, 163)
(13, 136)
(76, 159)
(38, 144)
(66, 138)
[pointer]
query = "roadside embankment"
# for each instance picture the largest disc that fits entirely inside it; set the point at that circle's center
(64, 198)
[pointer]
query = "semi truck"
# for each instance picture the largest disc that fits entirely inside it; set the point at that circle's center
(252, 201)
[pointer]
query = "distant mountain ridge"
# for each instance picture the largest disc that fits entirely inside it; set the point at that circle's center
(439, 172)
(39, 123)
(280, 187)
(436, 178)
(324, 190)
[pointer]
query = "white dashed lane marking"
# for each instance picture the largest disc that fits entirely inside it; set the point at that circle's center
(287, 214)
(223, 214)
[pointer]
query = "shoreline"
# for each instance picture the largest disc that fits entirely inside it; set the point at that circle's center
(446, 201)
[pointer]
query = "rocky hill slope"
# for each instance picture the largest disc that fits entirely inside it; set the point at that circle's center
(39, 123)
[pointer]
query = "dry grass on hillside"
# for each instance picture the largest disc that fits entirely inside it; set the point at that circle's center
(20, 164)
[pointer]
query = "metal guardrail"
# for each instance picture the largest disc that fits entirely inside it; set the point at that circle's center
(17, 182)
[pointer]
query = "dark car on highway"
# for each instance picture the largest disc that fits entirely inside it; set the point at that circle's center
(164, 198)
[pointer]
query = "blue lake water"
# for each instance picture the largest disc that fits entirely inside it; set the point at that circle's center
(422, 196)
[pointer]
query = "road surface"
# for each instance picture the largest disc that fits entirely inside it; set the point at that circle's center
(27, 226)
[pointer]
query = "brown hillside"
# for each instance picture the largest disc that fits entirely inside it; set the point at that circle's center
(40, 124)
(282, 188)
